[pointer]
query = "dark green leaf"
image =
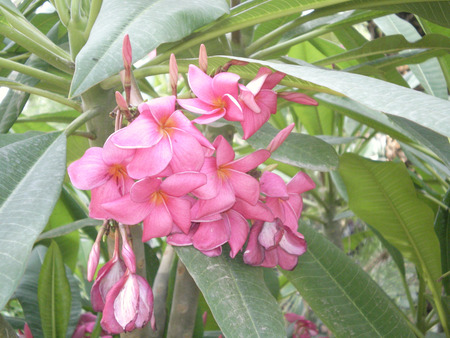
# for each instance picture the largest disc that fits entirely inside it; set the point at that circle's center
(442, 228)
(344, 297)
(149, 23)
(54, 294)
(31, 174)
(300, 150)
(68, 228)
(236, 293)
(75, 308)
(6, 139)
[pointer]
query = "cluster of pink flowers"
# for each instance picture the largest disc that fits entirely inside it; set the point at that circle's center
(162, 171)
(303, 328)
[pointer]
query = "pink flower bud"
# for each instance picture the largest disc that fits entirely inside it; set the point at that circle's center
(203, 59)
(127, 251)
(26, 332)
(121, 102)
(280, 138)
(126, 52)
(298, 98)
(173, 73)
(94, 257)
(129, 305)
(204, 317)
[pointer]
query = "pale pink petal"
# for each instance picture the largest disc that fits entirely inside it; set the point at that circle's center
(109, 322)
(180, 210)
(225, 83)
(197, 106)
(293, 242)
(272, 80)
(145, 305)
(239, 231)
(224, 151)
(107, 192)
(259, 211)
(90, 171)
(144, 162)
(210, 118)
(160, 108)
(285, 260)
(183, 123)
(292, 317)
(188, 154)
(298, 98)
(256, 84)
(158, 223)
(201, 84)
(296, 203)
(247, 99)
(273, 185)
(143, 189)
(254, 252)
(211, 235)
(126, 211)
(141, 133)
(267, 235)
(222, 202)
(126, 303)
(115, 155)
(245, 186)
(280, 138)
(233, 108)
(182, 183)
(300, 183)
(250, 161)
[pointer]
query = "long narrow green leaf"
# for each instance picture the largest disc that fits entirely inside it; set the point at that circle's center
(31, 175)
(54, 295)
(383, 195)
(344, 297)
(149, 23)
(442, 228)
(68, 228)
(236, 293)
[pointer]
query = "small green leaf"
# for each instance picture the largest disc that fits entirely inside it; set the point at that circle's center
(342, 294)
(236, 293)
(54, 294)
(68, 228)
(31, 172)
(300, 150)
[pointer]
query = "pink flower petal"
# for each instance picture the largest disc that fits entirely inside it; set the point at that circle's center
(250, 161)
(141, 133)
(188, 154)
(300, 183)
(225, 83)
(239, 230)
(107, 192)
(285, 260)
(280, 138)
(125, 303)
(109, 322)
(197, 106)
(210, 118)
(213, 183)
(254, 252)
(233, 108)
(160, 108)
(270, 258)
(180, 210)
(298, 98)
(222, 202)
(212, 253)
(179, 239)
(256, 84)
(245, 186)
(201, 84)
(158, 223)
(274, 204)
(144, 163)
(126, 211)
(183, 123)
(292, 317)
(145, 305)
(90, 171)
(247, 100)
(224, 151)
(115, 155)
(273, 185)
(267, 235)
(182, 183)
(211, 235)
(142, 190)
(259, 211)
(272, 80)
(293, 242)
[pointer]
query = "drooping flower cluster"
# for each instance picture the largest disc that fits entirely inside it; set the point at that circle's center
(303, 328)
(160, 170)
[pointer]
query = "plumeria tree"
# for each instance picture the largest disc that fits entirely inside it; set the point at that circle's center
(237, 169)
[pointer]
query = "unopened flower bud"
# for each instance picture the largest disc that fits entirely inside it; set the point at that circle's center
(127, 251)
(92, 264)
(280, 138)
(173, 73)
(126, 52)
(298, 98)
(203, 59)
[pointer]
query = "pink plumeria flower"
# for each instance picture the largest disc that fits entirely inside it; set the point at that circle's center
(258, 100)
(86, 325)
(129, 305)
(107, 277)
(227, 179)
(102, 170)
(272, 243)
(162, 136)
(160, 204)
(216, 97)
(303, 328)
(285, 201)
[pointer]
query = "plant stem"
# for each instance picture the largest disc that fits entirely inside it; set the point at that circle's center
(332, 227)
(408, 295)
(421, 305)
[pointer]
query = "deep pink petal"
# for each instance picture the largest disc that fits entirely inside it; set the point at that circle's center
(233, 108)
(253, 121)
(141, 133)
(270, 258)
(254, 252)
(212, 253)
(90, 171)
(158, 223)
(239, 231)
(201, 84)
(285, 260)
(150, 161)
(272, 80)
(180, 210)
(182, 183)
(224, 151)
(250, 161)
(222, 202)
(127, 211)
(179, 239)
(280, 138)
(197, 106)
(300, 183)
(267, 101)
(274, 204)
(293, 242)
(142, 190)
(292, 215)
(245, 186)
(225, 83)
(211, 235)
(210, 118)
(273, 185)
(160, 108)
(188, 154)
(259, 211)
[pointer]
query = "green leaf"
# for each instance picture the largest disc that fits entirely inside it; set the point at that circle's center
(383, 195)
(442, 228)
(54, 294)
(236, 293)
(31, 172)
(342, 295)
(300, 150)
(428, 73)
(75, 307)
(149, 23)
(68, 228)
